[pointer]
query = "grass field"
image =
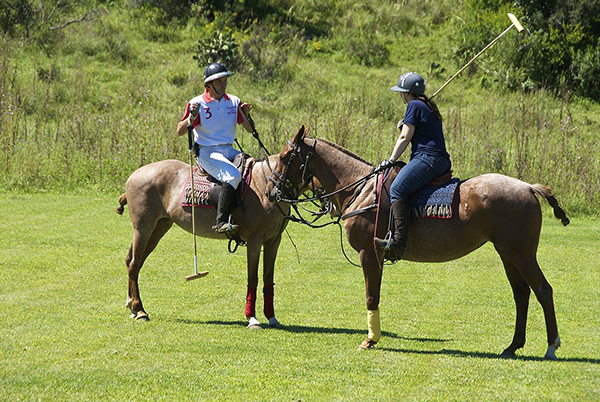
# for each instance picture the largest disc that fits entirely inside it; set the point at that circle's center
(66, 336)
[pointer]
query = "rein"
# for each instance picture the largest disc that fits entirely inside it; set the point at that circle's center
(282, 181)
(238, 241)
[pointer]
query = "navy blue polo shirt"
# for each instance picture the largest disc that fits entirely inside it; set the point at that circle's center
(428, 137)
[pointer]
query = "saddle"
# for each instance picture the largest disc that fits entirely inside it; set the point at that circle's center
(207, 188)
(381, 194)
(435, 200)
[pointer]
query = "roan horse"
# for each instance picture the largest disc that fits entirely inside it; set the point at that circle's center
(153, 193)
(490, 208)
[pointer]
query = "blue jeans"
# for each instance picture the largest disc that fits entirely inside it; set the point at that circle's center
(416, 174)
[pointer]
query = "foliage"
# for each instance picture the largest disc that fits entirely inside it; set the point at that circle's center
(558, 50)
(218, 47)
(41, 21)
(107, 99)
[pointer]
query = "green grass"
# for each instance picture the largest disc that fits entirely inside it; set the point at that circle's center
(65, 332)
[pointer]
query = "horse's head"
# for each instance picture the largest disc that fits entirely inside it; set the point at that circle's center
(291, 175)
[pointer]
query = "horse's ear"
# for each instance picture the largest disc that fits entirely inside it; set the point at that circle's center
(299, 135)
(306, 131)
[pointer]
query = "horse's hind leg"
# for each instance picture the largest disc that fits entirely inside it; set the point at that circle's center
(521, 294)
(530, 271)
(141, 246)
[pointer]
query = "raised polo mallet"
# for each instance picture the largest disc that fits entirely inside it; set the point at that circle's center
(515, 23)
(196, 274)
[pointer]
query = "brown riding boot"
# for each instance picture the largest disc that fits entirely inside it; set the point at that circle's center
(226, 198)
(397, 242)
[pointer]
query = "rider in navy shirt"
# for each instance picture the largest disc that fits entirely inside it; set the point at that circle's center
(422, 129)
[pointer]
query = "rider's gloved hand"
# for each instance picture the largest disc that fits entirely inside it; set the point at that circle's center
(385, 164)
(194, 109)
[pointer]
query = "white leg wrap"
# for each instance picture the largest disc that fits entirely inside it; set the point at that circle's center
(550, 353)
(273, 323)
(253, 321)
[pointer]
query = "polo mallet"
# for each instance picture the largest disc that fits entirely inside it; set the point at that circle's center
(515, 23)
(196, 274)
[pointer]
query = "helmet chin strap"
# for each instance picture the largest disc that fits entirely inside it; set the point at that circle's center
(214, 89)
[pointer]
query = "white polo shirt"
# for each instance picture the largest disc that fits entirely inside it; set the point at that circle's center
(217, 120)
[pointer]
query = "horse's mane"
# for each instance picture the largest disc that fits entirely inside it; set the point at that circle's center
(344, 150)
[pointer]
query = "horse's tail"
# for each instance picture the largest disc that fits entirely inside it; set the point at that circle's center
(546, 192)
(122, 203)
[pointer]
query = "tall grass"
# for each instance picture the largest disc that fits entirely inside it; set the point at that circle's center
(110, 103)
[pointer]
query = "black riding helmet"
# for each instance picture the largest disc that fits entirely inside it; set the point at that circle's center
(215, 71)
(410, 82)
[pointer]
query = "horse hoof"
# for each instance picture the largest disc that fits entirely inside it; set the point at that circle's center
(550, 356)
(273, 323)
(508, 355)
(141, 316)
(367, 344)
(253, 323)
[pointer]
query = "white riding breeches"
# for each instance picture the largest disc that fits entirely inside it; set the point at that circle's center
(216, 160)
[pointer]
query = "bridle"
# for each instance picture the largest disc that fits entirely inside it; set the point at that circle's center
(283, 183)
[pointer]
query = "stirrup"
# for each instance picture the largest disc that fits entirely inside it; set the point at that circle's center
(386, 242)
(226, 227)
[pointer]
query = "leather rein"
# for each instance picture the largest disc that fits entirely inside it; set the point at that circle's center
(283, 184)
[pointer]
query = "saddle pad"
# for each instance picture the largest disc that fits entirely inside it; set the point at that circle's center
(435, 201)
(202, 187)
(207, 189)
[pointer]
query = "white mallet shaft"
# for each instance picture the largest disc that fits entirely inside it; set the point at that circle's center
(515, 23)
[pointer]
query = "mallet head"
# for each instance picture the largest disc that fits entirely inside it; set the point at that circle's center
(196, 276)
(515, 22)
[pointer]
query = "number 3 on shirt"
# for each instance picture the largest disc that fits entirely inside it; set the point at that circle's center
(208, 113)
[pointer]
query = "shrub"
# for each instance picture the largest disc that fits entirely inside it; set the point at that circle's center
(218, 47)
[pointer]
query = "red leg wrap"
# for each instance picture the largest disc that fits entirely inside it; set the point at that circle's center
(251, 302)
(268, 296)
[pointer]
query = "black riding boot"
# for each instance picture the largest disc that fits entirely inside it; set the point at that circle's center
(226, 198)
(397, 243)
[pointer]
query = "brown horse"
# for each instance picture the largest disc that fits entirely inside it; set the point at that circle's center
(153, 193)
(490, 208)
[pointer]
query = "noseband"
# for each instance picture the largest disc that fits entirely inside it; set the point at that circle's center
(283, 184)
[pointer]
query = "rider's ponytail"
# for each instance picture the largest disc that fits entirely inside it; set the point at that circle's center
(432, 106)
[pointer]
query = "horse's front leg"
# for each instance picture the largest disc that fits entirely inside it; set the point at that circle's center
(269, 257)
(252, 257)
(372, 272)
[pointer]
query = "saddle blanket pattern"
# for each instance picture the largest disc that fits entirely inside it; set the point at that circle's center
(207, 189)
(201, 191)
(435, 201)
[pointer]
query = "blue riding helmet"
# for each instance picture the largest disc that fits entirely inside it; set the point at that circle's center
(410, 82)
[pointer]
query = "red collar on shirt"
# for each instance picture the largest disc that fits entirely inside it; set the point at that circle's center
(207, 98)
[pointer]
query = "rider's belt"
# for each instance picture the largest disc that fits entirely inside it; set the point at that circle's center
(218, 145)
(198, 146)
